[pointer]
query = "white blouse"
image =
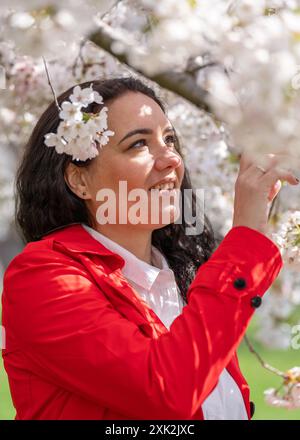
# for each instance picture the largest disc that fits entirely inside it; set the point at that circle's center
(157, 286)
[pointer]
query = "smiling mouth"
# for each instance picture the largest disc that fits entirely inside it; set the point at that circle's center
(164, 186)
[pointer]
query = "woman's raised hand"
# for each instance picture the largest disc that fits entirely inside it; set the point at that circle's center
(258, 183)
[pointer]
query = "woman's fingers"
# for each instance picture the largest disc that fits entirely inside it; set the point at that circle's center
(276, 173)
(256, 186)
(275, 190)
(268, 161)
(269, 182)
(246, 160)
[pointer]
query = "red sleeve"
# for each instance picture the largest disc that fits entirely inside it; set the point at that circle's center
(75, 338)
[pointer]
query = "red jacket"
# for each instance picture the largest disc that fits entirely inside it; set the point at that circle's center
(82, 344)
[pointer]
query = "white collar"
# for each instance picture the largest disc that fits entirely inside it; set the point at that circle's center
(136, 270)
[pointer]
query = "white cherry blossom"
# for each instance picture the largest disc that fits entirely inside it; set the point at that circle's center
(79, 133)
(53, 140)
(104, 136)
(70, 111)
(85, 96)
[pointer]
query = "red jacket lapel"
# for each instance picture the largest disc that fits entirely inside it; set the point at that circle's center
(105, 268)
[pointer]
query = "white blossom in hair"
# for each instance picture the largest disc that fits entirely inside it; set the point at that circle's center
(79, 133)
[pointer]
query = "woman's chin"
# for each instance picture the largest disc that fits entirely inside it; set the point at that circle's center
(166, 216)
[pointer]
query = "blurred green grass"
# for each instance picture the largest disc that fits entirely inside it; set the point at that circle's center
(258, 379)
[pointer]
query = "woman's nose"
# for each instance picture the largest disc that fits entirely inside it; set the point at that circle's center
(167, 158)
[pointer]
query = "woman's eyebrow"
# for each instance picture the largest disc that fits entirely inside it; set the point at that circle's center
(143, 131)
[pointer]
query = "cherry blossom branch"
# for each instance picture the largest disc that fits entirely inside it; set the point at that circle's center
(79, 57)
(110, 9)
(287, 395)
(84, 40)
(181, 83)
(261, 361)
(50, 84)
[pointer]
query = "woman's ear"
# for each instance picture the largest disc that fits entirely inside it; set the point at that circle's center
(75, 179)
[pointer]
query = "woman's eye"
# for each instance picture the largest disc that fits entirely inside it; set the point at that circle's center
(138, 143)
(171, 139)
(142, 142)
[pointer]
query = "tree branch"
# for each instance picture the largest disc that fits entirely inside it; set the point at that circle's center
(261, 361)
(181, 83)
(50, 84)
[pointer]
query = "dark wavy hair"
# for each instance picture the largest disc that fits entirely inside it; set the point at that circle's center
(44, 202)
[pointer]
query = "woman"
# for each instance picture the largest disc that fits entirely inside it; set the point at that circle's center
(95, 325)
